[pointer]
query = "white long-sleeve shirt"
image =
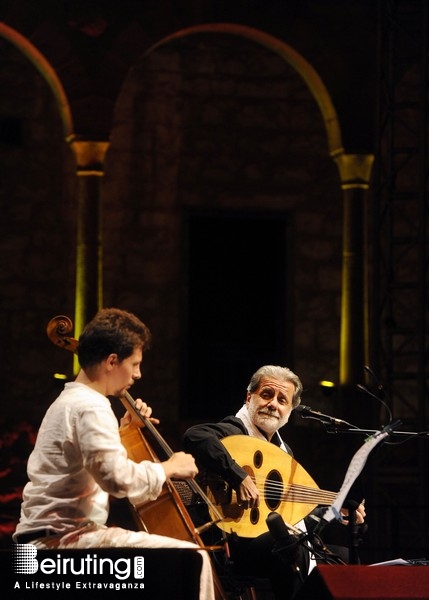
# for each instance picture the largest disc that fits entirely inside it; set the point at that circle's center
(77, 462)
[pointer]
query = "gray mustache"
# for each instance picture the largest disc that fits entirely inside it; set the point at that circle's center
(269, 413)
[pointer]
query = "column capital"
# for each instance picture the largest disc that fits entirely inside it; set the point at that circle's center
(355, 170)
(89, 155)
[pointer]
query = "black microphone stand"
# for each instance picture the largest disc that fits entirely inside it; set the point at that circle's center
(331, 428)
(337, 426)
(354, 532)
(334, 425)
(354, 539)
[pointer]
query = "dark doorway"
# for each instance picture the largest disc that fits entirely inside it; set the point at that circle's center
(238, 298)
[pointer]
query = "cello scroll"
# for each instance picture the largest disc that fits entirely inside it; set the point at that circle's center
(58, 330)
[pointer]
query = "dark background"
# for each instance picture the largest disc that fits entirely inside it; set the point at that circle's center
(222, 218)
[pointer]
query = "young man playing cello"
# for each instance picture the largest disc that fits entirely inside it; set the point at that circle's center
(79, 460)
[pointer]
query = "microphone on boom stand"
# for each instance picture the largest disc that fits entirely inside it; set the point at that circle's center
(289, 541)
(294, 546)
(308, 413)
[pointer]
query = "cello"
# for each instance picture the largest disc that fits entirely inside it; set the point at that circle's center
(167, 515)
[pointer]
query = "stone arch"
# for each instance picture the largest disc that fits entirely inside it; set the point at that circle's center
(291, 56)
(355, 173)
(47, 72)
(298, 62)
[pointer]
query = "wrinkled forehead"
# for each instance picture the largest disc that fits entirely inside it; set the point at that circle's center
(287, 387)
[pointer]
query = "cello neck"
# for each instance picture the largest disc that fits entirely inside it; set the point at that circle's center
(130, 404)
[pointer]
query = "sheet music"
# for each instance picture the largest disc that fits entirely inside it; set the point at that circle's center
(356, 465)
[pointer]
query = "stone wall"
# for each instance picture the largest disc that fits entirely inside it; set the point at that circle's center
(215, 122)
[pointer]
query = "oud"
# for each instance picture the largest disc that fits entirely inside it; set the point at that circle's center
(284, 486)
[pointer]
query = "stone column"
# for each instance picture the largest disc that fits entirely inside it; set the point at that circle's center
(90, 156)
(355, 173)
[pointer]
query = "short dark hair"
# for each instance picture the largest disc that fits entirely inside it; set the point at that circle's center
(112, 331)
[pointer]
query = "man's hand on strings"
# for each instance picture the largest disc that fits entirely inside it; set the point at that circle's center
(144, 410)
(248, 493)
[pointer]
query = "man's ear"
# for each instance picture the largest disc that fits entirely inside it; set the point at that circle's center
(248, 396)
(112, 361)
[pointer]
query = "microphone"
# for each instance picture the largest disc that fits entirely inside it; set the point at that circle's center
(278, 527)
(374, 378)
(380, 388)
(309, 413)
(286, 543)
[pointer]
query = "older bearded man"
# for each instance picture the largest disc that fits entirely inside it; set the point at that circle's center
(272, 394)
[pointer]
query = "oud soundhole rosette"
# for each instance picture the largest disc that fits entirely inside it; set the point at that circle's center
(258, 459)
(273, 489)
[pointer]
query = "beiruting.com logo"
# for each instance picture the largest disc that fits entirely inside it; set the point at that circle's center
(75, 570)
